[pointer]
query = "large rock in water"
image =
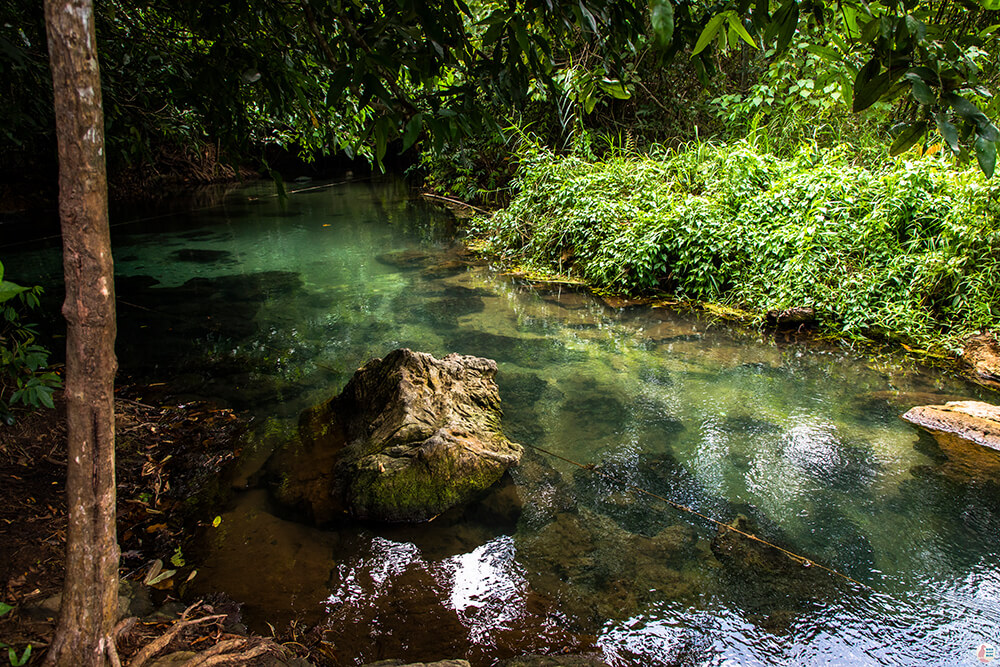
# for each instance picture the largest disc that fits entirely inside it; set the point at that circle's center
(409, 437)
(970, 420)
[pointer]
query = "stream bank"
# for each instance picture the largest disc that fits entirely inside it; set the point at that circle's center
(898, 252)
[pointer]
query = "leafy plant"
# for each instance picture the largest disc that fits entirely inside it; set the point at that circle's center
(12, 657)
(799, 95)
(16, 661)
(24, 375)
(902, 249)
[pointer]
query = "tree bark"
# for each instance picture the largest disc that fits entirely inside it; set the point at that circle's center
(90, 595)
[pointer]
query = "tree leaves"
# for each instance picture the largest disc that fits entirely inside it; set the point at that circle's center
(783, 25)
(986, 155)
(948, 132)
(921, 92)
(971, 113)
(614, 88)
(661, 18)
(737, 25)
(412, 130)
(870, 85)
(709, 33)
(906, 135)
(9, 290)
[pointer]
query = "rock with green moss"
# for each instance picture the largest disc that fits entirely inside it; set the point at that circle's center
(409, 437)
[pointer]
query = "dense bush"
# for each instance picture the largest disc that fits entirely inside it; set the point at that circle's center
(905, 250)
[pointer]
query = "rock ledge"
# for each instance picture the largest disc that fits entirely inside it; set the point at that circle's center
(974, 421)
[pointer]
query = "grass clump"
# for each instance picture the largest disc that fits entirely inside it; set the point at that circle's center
(902, 250)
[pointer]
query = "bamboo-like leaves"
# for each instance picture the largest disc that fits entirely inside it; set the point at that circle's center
(709, 33)
(730, 18)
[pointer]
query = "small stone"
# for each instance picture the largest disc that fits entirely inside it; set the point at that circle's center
(45, 609)
(169, 611)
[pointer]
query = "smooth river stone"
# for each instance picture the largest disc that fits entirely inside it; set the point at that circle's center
(974, 421)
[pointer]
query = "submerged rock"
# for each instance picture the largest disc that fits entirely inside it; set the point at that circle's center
(974, 421)
(202, 256)
(905, 398)
(445, 268)
(733, 549)
(409, 437)
(594, 571)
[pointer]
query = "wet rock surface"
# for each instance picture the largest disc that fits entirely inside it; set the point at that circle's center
(982, 354)
(974, 421)
(409, 437)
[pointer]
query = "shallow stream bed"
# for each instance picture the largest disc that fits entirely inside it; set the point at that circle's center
(270, 306)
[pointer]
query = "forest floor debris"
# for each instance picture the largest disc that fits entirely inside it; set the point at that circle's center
(169, 458)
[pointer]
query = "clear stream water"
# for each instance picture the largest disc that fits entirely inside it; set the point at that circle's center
(269, 307)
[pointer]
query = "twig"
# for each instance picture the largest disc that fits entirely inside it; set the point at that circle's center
(112, 653)
(141, 405)
(455, 201)
(653, 97)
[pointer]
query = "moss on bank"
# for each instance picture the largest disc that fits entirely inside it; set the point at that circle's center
(904, 250)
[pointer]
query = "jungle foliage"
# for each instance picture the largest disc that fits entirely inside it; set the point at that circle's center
(904, 249)
(25, 378)
(323, 76)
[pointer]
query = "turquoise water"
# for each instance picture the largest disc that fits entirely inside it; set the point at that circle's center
(269, 306)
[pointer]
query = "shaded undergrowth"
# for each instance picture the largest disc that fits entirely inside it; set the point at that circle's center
(902, 250)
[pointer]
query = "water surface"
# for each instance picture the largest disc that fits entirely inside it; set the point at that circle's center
(269, 307)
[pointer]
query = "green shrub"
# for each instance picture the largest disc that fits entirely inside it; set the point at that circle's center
(24, 375)
(905, 250)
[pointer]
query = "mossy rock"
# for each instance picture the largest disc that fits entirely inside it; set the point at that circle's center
(409, 437)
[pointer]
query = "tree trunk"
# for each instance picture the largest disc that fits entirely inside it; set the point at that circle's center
(90, 595)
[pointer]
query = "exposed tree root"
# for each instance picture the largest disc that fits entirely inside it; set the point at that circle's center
(228, 651)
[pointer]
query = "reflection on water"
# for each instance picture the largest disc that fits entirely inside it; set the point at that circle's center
(270, 307)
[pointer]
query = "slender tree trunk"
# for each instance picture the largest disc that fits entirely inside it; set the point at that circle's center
(90, 594)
